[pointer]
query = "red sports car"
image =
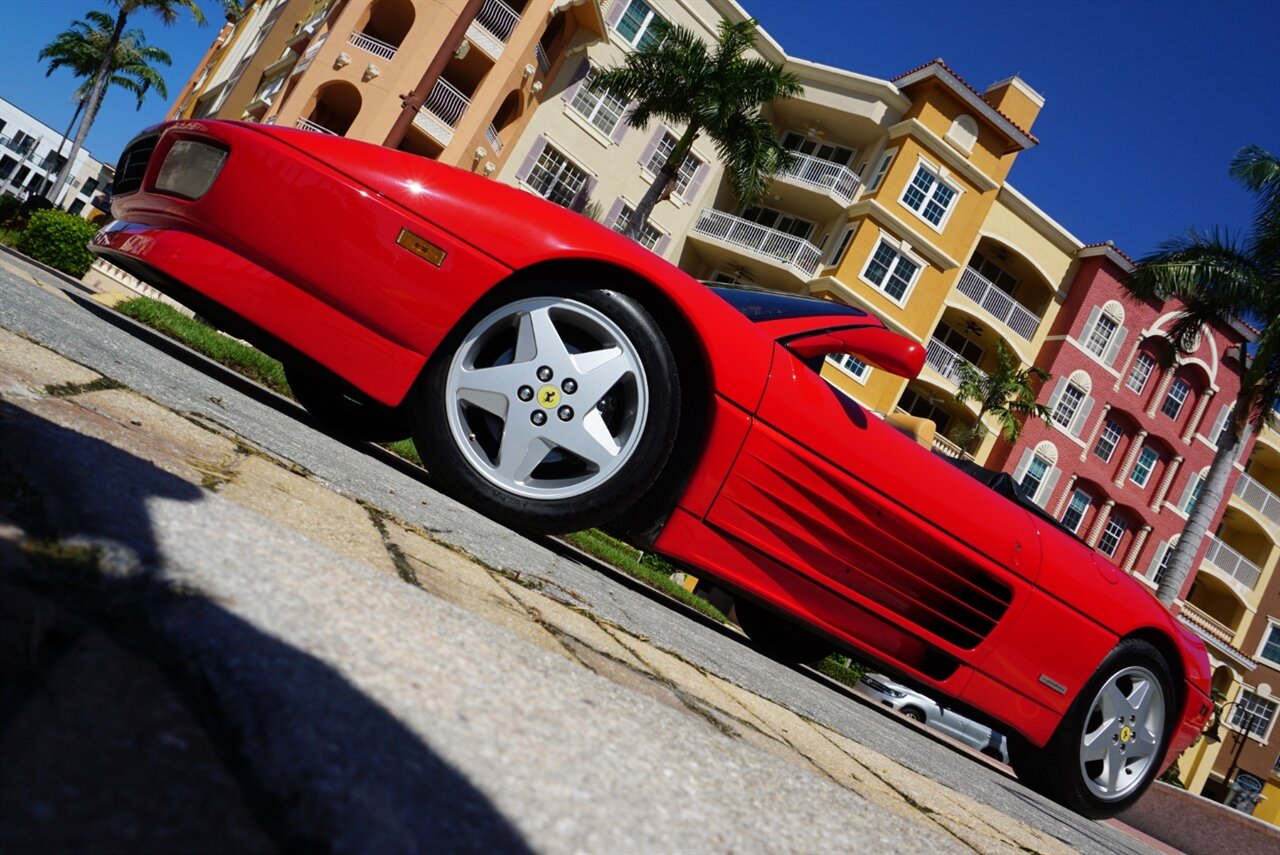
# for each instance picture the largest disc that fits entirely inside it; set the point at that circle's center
(556, 375)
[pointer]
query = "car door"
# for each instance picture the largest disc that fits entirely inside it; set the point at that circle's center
(833, 493)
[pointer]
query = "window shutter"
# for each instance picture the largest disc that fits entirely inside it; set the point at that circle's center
(1046, 489)
(531, 158)
(661, 246)
(1161, 548)
(652, 146)
(1089, 325)
(611, 218)
(695, 183)
(620, 129)
(575, 80)
(1082, 416)
(1117, 339)
(615, 12)
(1057, 393)
(1218, 423)
(1024, 463)
(584, 195)
(1186, 492)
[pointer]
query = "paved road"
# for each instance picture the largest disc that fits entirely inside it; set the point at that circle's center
(579, 810)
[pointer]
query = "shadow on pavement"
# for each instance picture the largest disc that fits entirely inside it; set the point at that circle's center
(136, 715)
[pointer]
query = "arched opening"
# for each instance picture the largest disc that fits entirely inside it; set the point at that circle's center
(387, 22)
(1007, 286)
(336, 106)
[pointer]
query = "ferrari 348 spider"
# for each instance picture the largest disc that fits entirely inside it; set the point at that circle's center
(555, 375)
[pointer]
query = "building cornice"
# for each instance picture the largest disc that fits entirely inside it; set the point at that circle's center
(939, 147)
(919, 243)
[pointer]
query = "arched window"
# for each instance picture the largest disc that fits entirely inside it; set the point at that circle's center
(1037, 472)
(1070, 402)
(1104, 332)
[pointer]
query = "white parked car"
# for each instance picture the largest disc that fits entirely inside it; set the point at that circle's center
(924, 709)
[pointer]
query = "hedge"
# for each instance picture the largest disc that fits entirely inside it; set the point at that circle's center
(58, 239)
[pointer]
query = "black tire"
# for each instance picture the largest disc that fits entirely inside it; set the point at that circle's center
(341, 408)
(913, 714)
(563, 474)
(1130, 727)
(777, 637)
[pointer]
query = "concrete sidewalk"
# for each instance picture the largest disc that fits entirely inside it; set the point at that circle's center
(210, 649)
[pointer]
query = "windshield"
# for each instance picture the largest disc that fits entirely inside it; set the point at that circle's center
(760, 305)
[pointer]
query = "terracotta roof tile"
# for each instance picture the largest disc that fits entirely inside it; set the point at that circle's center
(942, 63)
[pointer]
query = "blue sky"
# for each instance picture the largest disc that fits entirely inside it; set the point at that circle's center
(1146, 100)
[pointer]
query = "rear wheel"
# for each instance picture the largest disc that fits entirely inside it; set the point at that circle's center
(343, 409)
(913, 714)
(1109, 746)
(777, 637)
(552, 411)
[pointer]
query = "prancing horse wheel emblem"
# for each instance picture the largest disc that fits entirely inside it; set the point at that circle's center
(1126, 733)
(549, 397)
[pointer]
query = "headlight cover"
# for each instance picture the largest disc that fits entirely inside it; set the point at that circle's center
(189, 169)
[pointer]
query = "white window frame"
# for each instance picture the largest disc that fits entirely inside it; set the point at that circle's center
(1110, 434)
(1112, 534)
(1068, 405)
(929, 197)
(1180, 401)
(1152, 457)
(1084, 510)
(1038, 479)
(1144, 365)
(838, 250)
(1273, 628)
(647, 21)
(1236, 720)
(1099, 337)
(899, 256)
(851, 365)
(590, 103)
(557, 174)
(882, 169)
(649, 235)
(688, 166)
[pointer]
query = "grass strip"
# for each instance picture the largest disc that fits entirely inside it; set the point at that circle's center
(202, 338)
(651, 570)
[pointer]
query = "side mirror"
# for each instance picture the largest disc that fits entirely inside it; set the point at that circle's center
(894, 353)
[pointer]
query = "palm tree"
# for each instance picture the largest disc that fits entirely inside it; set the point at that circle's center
(1221, 280)
(1008, 393)
(80, 49)
(167, 11)
(679, 80)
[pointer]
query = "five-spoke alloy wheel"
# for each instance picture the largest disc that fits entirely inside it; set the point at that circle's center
(1112, 740)
(553, 411)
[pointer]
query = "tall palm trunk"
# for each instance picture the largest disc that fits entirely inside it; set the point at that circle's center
(71, 124)
(1206, 505)
(663, 184)
(93, 102)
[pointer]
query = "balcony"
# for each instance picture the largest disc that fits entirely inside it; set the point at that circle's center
(1258, 497)
(943, 360)
(369, 44)
(491, 136)
(310, 55)
(784, 252)
(307, 28)
(1216, 634)
(1232, 564)
(998, 304)
(831, 180)
(492, 27)
(439, 116)
(307, 125)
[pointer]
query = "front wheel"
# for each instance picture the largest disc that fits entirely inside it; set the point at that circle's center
(553, 411)
(1109, 746)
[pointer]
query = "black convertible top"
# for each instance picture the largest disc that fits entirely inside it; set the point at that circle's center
(1003, 483)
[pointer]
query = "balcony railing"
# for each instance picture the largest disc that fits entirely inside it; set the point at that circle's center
(1259, 498)
(1007, 310)
(1206, 625)
(308, 125)
(1232, 563)
(493, 26)
(372, 45)
(491, 135)
(309, 55)
(540, 53)
(824, 175)
(439, 116)
(944, 360)
(772, 244)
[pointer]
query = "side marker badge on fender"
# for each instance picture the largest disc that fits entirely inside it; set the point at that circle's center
(1053, 684)
(421, 247)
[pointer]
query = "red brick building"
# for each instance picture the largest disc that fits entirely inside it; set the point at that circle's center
(1129, 441)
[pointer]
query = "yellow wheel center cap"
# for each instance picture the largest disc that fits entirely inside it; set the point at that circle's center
(549, 397)
(1126, 733)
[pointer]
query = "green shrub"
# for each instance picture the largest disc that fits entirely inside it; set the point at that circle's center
(59, 240)
(8, 207)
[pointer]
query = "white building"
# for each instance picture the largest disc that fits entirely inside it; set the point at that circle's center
(29, 162)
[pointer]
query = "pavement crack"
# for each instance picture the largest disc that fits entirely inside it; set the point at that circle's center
(397, 555)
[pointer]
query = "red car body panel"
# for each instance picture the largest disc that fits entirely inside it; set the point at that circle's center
(798, 496)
